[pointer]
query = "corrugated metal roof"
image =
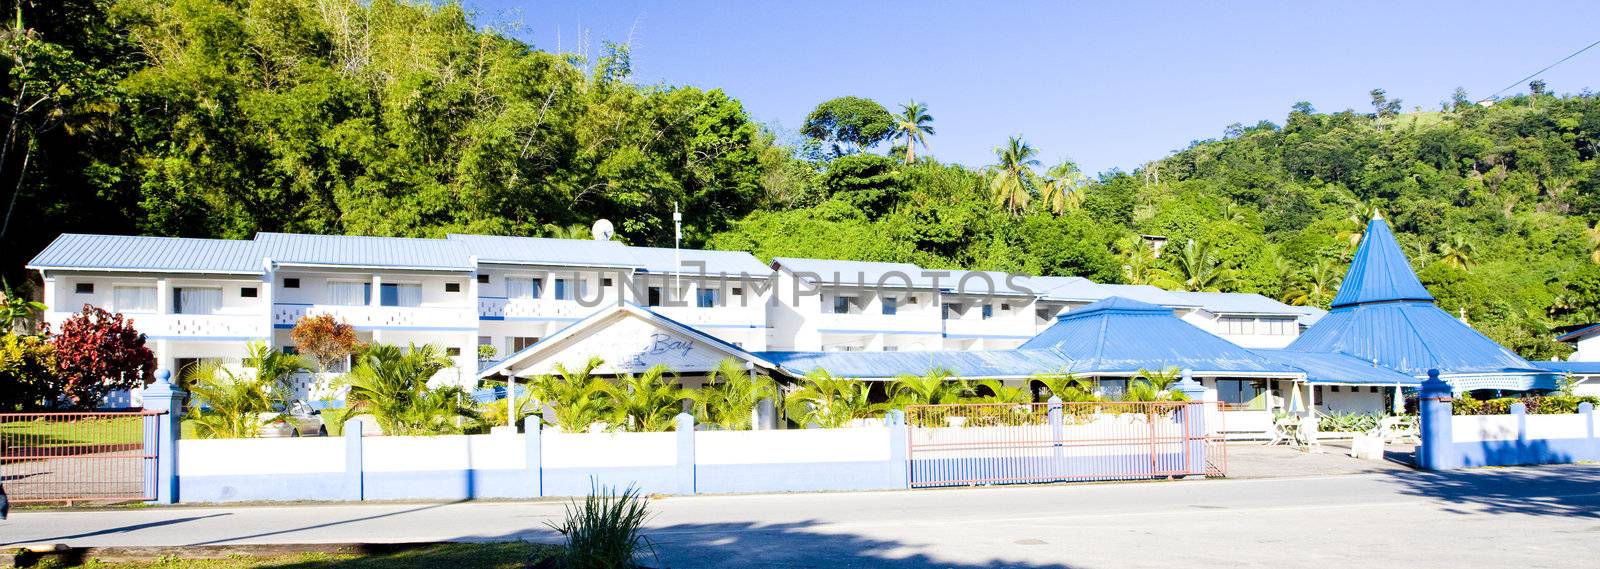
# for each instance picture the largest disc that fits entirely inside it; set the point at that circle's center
(1237, 303)
(1338, 369)
(1120, 335)
(1148, 293)
(985, 283)
(156, 254)
(1379, 271)
(355, 251)
(1574, 368)
(1067, 289)
(546, 251)
(857, 273)
(731, 263)
(889, 365)
(1579, 334)
(1410, 337)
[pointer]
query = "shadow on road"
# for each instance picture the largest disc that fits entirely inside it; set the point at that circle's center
(122, 529)
(324, 525)
(1572, 491)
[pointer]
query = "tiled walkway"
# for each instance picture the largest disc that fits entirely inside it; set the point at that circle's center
(1255, 460)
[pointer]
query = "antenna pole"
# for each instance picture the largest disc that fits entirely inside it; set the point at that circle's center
(677, 254)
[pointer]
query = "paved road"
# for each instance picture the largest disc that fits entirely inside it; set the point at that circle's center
(1534, 517)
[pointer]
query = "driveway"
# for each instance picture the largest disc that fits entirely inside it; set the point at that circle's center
(1254, 460)
(1524, 517)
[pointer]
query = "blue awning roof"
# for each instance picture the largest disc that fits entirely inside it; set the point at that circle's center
(1338, 369)
(1574, 368)
(1121, 336)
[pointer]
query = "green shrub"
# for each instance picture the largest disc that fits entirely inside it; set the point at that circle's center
(603, 531)
(1557, 404)
(1349, 422)
(27, 372)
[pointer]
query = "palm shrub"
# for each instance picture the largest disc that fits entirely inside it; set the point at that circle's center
(1070, 388)
(937, 387)
(603, 531)
(391, 384)
(225, 405)
(995, 391)
(829, 402)
(1010, 405)
(649, 401)
(731, 395)
(1150, 386)
(579, 399)
(275, 369)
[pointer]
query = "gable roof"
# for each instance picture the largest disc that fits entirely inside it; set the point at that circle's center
(545, 251)
(152, 254)
(364, 252)
(1121, 336)
(589, 325)
(1379, 272)
(855, 273)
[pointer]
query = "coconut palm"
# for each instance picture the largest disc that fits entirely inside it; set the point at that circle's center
(1148, 385)
(829, 402)
(1011, 181)
(649, 401)
(1062, 188)
(576, 396)
(1139, 261)
(995, 391)
(731, 395)
(275, 369)
(391, 384)
(1315, 286)
(915, 125)
(225, 405)
(1195, 268)
(1458, 252)
(1069, 387)
(937, 387)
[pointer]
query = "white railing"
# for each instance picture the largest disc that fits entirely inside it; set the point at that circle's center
(874, 322)
(379, 316)
(727, 316)
(997, 326)
(540, 308)
(198, 325)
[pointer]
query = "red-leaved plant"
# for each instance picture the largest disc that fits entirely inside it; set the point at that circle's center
(98, 352)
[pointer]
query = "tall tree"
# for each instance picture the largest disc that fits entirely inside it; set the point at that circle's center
(1195, 268)
(849, 124)
(914, 124)
(1063, 187)
(1011, 180)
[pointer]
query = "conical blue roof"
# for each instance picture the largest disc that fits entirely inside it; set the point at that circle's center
(1379, 272)
(1119, 335)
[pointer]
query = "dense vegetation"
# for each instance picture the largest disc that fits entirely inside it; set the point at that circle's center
(226, 117)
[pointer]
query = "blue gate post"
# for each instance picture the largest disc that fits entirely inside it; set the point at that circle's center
(1058, 470)
(899, 433)
(162, 396)
(685, 483)
(1194, 423)
(1437, 451)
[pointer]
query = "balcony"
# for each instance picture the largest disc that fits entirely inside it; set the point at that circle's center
(915, 322)
(754, 315)
(201, 326)
(286, 315)
(536, 309)
(996, 326)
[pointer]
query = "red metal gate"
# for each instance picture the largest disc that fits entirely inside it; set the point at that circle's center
(78, 457)
(1005, 443)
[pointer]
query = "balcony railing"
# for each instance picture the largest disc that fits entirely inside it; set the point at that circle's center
(996, 326)
(875, 322)
(497, 308)
(201, 325)
(379, 316)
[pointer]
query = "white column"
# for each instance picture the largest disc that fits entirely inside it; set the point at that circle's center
(377, 291)
(163, 296)
(264, 296)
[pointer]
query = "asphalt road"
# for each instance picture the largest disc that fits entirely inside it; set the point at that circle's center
(1523, 517)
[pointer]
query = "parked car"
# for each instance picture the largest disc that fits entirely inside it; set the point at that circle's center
(300, 420)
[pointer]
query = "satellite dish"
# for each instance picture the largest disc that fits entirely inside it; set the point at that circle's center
(603, 231)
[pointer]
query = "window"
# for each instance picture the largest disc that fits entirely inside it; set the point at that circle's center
(988, 311)
(1237, 325)
(346, 293)
(1042, 314)
(483, 279)
(452, 287)
(891, 348)
(605, 282)
(290, 350)
(398, 294)
(705, 298)
(133, 298)
(485, 340)
(951, 311)
(653, 296)
(842, 304)
(1241, 392)
(1335, 388)
(1277, 326)
(196, 300)
(737, 291)
(519, 343)
(890, 305)
(561, 290)
(1005, 307)
(247, 292)
(452, 352)
(1113, 389)
(291, 282)
(524, 288)
(83, 288)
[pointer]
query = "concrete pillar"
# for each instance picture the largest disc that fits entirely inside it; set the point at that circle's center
(899, 448)
(533, 431)
(1437, 451)
(163, 398)
(163, 296)
(354, 485)
(766, 415)
(376, 298)
(1194, 424)
(1057, 436)
(685, 482)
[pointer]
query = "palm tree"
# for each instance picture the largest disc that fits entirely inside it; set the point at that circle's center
(1011, 180)
(1138, 260)
(577, 397)
(275, 369)
(1458, 252)
(1069, 387)
(995, 391)
(914, 124)
(391, 384)
(1315, 286)
(573, 231)
(648, 402)
(1195, 268)
(1148, 385)
(227, 406)
(731, 395)
(1063, 187)
(829, 402)
(937, 387)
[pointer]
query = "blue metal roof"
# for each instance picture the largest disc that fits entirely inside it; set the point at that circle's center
(1410, 337)
(546, 251)
(365, 252)
(1379, 271)
(889, 365)
(666, 260)
(985, 283)
(155, 254)
(1579, 334)
(1574, 368)
(1120, 335)
(857, 273)
(1339, 369)
(1237, 303)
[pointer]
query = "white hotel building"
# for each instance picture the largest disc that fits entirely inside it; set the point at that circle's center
(198, 299)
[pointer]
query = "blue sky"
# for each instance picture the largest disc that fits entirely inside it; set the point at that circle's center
(1106, 84)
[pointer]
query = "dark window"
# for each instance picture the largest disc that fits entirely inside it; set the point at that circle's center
(605, 282)
(83, 288)
(1005, 307)
(291, 350)
(841, 305)
(988, 311)
(890, 305)
(452, 352)
(653, 296)
(291, 283)
(1335, 388)
(738, 291)
(520, 343)
(247, 292)
(452, 287)
(561, 289)
(483, 279)
(950, 311)
(706, 298)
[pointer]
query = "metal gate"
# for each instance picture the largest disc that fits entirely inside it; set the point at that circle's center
(78, 457)
(1005, 443)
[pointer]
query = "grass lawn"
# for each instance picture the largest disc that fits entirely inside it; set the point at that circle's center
(37, 433)
(454, 556)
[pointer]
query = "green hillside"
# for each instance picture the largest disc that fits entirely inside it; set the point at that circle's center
(225, 117)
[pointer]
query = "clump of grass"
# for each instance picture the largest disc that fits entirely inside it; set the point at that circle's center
(602, 532)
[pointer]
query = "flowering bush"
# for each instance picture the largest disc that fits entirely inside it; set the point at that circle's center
(98, 352)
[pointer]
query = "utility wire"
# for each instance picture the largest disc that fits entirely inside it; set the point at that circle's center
(1536, 73)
